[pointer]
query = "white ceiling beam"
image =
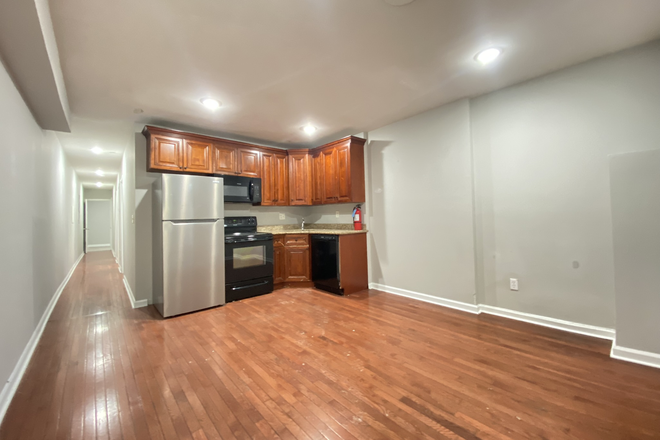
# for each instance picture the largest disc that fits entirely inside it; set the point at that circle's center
(29, 52)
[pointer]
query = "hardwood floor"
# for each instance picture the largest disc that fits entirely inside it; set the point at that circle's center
(303, 364)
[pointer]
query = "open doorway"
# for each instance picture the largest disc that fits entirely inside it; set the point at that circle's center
(97, 220)
(98, 225)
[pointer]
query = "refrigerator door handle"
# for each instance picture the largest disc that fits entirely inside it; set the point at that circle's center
(196, 222)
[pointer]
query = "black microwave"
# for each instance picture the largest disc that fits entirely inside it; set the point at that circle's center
(239, 189)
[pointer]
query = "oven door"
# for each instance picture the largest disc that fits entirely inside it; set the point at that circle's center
(248, 260)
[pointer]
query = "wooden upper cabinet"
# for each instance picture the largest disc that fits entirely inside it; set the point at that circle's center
(197, 156)
(165, 153)
(281, 179)
(339, 175)
(332, 173)
(317, 178)
(224, 159)
(300, 182)
(330, 194)
(267, 179)
(249, 163)
(343, 170)
(274, 179)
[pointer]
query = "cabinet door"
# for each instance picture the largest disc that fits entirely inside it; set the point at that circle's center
(197, 156)
(297, 264)
(224, 160)
(299, 179)
(343, 174)
(268, 179)
(317, 178)
(330, 194)
(249, 164)
(281, 180)
(166, 153)
(279, 272)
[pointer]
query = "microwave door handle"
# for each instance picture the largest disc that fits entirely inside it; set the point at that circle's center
(251, 190)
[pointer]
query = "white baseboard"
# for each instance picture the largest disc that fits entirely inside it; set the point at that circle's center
(136, 304)
(98, 247)
(568, 326)
(637, 356)
(466, 307)
(10, 387)
(559, 324)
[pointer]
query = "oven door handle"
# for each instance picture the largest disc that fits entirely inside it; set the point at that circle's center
(250, 286)
(254, 240)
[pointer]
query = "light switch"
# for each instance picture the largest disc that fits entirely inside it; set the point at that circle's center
(337, 214)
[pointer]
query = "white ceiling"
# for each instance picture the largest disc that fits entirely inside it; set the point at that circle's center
(112, 137)
(345, 66)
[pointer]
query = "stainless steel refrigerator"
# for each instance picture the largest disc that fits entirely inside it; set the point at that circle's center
(189, 244)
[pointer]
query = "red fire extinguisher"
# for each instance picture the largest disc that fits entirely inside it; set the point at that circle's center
(357, 218)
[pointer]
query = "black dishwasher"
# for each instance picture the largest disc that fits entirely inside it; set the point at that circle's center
(325, 262)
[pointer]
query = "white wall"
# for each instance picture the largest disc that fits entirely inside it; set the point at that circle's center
(40, 230)
(540, 173)
(124, 197)
(97, 193)
(635, 184)
(420, 209)
(542, 182)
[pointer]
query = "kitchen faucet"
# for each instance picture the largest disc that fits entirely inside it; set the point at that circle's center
(302, 225)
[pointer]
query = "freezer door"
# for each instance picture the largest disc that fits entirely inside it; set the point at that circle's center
(192, 197)
(193, 266)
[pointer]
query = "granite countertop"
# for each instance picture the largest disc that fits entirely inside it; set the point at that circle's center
(331, 229)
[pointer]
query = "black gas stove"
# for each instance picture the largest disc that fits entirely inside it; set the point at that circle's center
(248, 259)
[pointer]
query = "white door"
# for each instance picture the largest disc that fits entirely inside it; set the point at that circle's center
(99, 225)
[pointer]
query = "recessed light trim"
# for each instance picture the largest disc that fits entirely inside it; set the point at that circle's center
(97, 150)
(489, 55)
(308, 129)
(210, 103)
(99, 184)
(99, 173)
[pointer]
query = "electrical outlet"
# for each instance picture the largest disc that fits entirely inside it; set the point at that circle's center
(282, 216)
(337, 214)
(513, 283)
(133, 218)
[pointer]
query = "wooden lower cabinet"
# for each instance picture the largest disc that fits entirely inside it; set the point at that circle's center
(297, 264)
(292, 265)
(279, 274)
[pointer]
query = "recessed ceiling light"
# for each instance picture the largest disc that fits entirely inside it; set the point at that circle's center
(97, 150)
(210, 103)
(309, 129)
(99, 173)
(488, 56)
(398, 2)
(99, 184)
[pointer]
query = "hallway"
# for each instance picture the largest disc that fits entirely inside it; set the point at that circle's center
(301, 364)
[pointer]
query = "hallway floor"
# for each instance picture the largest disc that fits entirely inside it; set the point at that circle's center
(303, 364)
